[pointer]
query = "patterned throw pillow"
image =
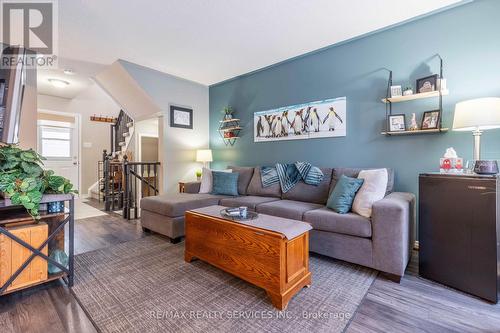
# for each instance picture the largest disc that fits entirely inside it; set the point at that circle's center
(225, 183)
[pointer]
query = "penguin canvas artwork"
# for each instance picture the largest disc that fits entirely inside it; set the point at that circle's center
(319, 119)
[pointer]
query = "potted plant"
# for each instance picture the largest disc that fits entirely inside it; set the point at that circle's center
(408, 91)
(23, 180)
(228, 113)
(198, 174)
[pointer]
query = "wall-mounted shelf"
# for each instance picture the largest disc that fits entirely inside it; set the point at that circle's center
(389, 101)
(417, 132)
(229, 120)
(430, 94)
(229, 130)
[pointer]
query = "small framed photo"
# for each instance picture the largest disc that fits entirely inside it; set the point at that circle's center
(431, 119)
(181, 117)
(396, 91)
(397, 123)
(427, 84)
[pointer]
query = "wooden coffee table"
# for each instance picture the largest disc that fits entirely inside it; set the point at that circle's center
(262, 257)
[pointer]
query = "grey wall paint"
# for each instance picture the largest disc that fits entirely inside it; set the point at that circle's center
(466, 37)
(178, 144)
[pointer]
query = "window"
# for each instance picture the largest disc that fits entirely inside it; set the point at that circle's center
(55, 142)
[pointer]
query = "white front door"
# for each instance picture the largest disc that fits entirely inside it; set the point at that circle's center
(58, 143)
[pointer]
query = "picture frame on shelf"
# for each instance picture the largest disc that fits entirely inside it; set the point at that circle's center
(427, 84)
(396, 91)
(431, 120)
(181, 117)
(397, 123)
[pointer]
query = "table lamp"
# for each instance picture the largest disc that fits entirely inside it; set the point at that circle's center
(476, 116)
(205, 156)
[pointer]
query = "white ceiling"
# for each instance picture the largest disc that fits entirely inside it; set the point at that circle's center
(79, 80)
(209, 41)
(212, 40)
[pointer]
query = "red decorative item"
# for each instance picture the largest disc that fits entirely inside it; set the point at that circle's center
(446, 165)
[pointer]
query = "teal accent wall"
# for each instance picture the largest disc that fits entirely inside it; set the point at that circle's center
(468, 39)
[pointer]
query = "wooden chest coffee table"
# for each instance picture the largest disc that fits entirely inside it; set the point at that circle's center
(263, 257)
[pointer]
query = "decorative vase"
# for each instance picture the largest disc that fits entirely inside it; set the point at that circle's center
(408, 92)
(60, 257)
(55, 207)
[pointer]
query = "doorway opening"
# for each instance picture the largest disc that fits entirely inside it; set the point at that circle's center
(59, 142)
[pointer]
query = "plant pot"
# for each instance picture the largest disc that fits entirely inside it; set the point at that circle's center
(228, 116)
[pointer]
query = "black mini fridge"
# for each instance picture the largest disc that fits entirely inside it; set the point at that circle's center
(459, 232)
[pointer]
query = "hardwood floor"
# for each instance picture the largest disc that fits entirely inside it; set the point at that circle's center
(52, 308)
(415, 305)
(419, 305)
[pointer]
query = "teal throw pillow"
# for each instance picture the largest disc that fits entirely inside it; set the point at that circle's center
(225, 183)
(343, 194)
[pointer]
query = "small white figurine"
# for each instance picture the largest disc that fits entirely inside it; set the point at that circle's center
(413, 122)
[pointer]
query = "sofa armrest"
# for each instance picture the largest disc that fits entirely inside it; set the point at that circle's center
(393, 224)
(192, 187)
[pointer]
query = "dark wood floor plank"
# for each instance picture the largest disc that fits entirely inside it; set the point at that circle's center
(419, 305)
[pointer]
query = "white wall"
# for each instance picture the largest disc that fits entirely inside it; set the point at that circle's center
(178, 147)
(91, 101)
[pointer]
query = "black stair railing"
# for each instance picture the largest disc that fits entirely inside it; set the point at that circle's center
(113, 184)
(124, 183)
(140, 180)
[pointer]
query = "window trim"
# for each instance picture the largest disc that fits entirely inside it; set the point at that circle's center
(41, 138)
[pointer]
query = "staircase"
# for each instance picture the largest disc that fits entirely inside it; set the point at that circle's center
(122, 133)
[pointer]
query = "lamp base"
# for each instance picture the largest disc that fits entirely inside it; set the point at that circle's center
(483, 167)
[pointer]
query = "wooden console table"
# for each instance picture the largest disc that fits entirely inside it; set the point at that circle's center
(12, 217)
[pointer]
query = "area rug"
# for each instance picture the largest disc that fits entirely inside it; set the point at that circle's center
(145, 286)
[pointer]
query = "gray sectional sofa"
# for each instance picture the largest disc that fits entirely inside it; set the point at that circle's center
(383, 242)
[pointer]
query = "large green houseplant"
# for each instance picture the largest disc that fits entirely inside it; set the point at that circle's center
(23, 179)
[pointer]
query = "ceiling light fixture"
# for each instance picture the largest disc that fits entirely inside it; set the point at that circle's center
(59, 83)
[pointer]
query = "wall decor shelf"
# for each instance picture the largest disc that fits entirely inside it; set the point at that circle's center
(412, 97)
(229, 130)
(416, 132)
(389, 101)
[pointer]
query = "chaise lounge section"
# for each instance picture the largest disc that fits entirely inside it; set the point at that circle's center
(383, 242)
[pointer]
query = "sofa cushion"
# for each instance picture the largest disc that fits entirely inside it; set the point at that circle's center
(246, 174)
(174, 205)
(255, 187)
(343, 194)
(354, 172)
(373, 190)
(287, 208)
(325, 219)
(206, 185)
(310, 193)
(249, 201)
(225, 183)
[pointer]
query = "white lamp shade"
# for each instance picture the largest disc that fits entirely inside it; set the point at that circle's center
(477, 114)
(204, 155)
